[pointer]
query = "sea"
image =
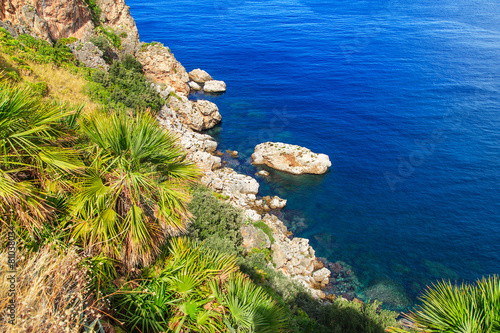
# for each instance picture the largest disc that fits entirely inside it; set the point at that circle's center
(403, 96)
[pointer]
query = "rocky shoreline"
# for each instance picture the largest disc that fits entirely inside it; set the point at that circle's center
(292, 256)
(187, 119)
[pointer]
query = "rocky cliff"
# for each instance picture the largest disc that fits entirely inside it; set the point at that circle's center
(49, 19)
(55, 19)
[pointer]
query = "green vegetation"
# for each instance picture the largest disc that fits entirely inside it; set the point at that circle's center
(35, 160)
(125, 86)
(129, 199)
(111, 35)
(95, 11)
(215, 222)
(145, 45)
(28, 48)
(459, 308)
(196, 289)
(264, 227)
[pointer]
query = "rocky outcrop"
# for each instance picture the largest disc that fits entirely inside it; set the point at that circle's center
(214, 86)
(254, 238)
(294, 257)
(290, 158)
(199, 76)
(160, 66)
(194, 86)
(199, 147)
(48, 19)
(198, 115)
(201, 80)
(89, 54)
(115, 14)
(163, 89)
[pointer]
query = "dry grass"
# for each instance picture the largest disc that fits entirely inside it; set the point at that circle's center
(51, 293)
(64, 86)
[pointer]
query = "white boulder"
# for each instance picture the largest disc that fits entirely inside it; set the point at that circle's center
(214, 86)
(290, 158)
(199, 76)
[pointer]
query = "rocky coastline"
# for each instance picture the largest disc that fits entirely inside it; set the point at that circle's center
(292, 256)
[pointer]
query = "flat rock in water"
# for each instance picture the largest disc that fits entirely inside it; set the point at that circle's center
(290, 158)
(214, 86)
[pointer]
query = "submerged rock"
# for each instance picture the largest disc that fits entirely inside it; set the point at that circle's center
(389, 293)
(290, 158)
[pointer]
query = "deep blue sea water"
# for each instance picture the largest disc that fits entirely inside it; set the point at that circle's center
(404, 96)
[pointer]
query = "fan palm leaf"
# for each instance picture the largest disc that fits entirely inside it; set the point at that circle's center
(250, 308)
(138, 172)
(33, 159)
(459, 308)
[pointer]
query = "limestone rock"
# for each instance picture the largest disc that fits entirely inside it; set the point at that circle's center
(89, 54)
(214, 86)
(194, 86)
(277, 203)
(321, 274)
(199, 76)
(49, 19)
(233, 153)
(206, 161)
(163, 89)
(160, 66)
(290, 158)
(198, 146)
(115, 14)
(254, 238)
(262, 173)
(198, 115)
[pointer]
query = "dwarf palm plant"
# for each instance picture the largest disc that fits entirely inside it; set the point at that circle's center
(175, 294)
(462, 309)
(132, 195)
(249, 307)
(33, 159)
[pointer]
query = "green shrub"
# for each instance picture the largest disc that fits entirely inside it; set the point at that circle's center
(39, 88)
(61, 43)
(95, 11)
(110, 34)
(103, 44)
(264, 227)
(124, 86)
(214, 220)
(145, 45)
(27, 47)
(129, 62)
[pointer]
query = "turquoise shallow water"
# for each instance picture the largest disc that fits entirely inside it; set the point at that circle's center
(403, 97)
